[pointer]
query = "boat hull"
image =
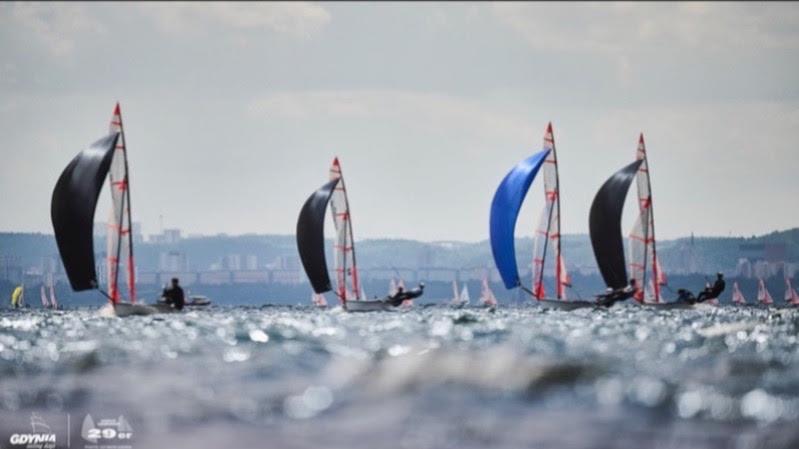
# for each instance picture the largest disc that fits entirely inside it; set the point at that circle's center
(125, 309)
(669, 305)
(565, 305)
(368, 306)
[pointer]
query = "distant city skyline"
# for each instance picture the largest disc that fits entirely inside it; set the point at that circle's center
(233, 112)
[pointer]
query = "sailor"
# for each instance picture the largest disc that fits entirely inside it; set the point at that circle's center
(685, 296)
(402, 295)
(620, 294)
(174, 295)
(714, 291)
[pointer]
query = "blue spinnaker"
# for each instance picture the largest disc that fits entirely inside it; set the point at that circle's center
(504, 212)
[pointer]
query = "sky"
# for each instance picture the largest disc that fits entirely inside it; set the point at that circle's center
(233, 112)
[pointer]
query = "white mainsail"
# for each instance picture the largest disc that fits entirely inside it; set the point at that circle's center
(791, 296)
(119, 242)
(455, 296)
(392, 287)
(547, 235)
(348, 287)
(464, 296)
(43, 294)
(53, 302)
(643, 251)
(763, 296)
(737, 296)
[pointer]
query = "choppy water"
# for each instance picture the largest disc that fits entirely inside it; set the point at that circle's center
(430, 378)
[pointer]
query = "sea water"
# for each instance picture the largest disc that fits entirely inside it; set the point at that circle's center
(282, 377)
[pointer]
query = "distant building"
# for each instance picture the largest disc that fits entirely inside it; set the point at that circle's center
(251, 262)
(172, 261)
(168, 237)
(232, 262)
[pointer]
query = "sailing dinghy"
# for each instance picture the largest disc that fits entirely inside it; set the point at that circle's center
(72, 211)
(737, 296)
(505, 209)
(791, 296)
(763, 296)
(487, 297)
(311, 246)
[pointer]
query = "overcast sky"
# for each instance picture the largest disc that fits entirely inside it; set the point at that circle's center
(234, 112)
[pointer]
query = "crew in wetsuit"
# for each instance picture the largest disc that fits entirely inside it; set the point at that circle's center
(174, 295)
(685, 296)
(714, 291)
(402, 295)
(620, 294)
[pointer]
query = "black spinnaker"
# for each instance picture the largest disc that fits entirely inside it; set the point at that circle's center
(604, 224)
(72, 210)
(311, 237)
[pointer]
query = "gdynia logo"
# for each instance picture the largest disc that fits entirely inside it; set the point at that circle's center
(41, 437)
(106, 429)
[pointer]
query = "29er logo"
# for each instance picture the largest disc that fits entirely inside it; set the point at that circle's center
(106, 430)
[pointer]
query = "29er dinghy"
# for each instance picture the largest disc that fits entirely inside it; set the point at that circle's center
(72, 211)
(505, 209)
(604, 225)
(311, 246)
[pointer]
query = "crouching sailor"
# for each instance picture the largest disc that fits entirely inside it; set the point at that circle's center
(402, 295)
(174, 296)
(620, 294)
(712, 292)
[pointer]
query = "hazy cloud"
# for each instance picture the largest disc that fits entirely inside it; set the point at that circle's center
(295, 19)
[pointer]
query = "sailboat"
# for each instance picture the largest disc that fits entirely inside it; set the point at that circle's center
(18, 297)
(456, 298)
(763, 296)
(72, 211)
(45, 300)
(311, 241)
(643, 249)
(505, 209)
(606, 235)
(487, 297)
(53, 302)
(791, 296)
(737, 296)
